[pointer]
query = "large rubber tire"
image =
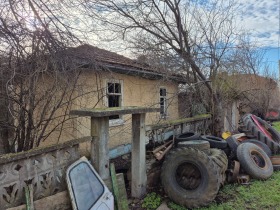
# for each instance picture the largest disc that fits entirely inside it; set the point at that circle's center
(262, 145)
(215, 142)
(187, 136)
(197, 144)
(254, 161)
(272, 143)
(189, 177)
(221, 160)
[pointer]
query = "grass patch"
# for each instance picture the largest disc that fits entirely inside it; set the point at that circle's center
(151, 201)
(255, 196)
(276, 125)
(258, 195)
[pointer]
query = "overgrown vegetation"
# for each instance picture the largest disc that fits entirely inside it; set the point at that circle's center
(256, 195)
(276, 125)
(35, 34)
(151, 201)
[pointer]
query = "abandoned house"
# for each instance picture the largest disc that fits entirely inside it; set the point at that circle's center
(112, 80)
(249, 93)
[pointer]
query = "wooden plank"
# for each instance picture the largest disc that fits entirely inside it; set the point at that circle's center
(118, 189)
(105, 112)
(99, 146)
(122, 192)
(138, 160)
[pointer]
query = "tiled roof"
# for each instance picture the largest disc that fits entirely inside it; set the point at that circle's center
(88, 55)
(105, 57)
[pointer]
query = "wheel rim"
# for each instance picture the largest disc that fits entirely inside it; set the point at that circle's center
(188, 176)
(258, 159)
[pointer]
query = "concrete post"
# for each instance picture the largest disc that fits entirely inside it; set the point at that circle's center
(138, 160)
(99, 146)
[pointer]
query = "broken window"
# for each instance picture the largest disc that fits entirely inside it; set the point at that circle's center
(163, 103)
(114, 97)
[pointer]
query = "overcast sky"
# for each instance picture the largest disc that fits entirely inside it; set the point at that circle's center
(261, 18)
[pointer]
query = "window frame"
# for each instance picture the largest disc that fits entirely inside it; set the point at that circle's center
(163, 115)
(120, 121)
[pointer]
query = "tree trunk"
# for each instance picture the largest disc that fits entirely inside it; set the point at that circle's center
(218, 115)
(4, 130)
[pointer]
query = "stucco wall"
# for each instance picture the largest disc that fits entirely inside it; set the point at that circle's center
(137, 91)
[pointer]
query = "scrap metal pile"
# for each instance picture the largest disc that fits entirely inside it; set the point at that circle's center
(195, 166)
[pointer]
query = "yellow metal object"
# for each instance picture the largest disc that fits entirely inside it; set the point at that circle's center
(226, 134)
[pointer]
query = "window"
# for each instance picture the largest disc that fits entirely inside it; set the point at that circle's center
(163, 103)
(114, 99)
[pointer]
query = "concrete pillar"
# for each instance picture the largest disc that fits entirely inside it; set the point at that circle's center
(138, 160)
(99, 146)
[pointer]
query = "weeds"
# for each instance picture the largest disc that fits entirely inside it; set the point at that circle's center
(276, 125)
(151, 201)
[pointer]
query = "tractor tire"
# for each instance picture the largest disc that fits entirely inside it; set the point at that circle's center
(215, 142)
(254, 161)
(189, 177)
(262, 145)
(221, 160)
(187, 136)
(197, 144)
(272, 142)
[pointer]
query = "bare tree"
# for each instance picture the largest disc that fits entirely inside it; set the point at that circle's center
(254, 93)
(247, 57)
(199, 33)
(248, 79)
(39, 81)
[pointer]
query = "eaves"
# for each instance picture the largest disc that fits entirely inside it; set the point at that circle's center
(145, 74)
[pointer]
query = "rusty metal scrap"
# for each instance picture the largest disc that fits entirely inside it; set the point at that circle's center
(243, 179)
(233, 173)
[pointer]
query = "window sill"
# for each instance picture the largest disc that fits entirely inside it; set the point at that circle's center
(164, 117)
(117, 122)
